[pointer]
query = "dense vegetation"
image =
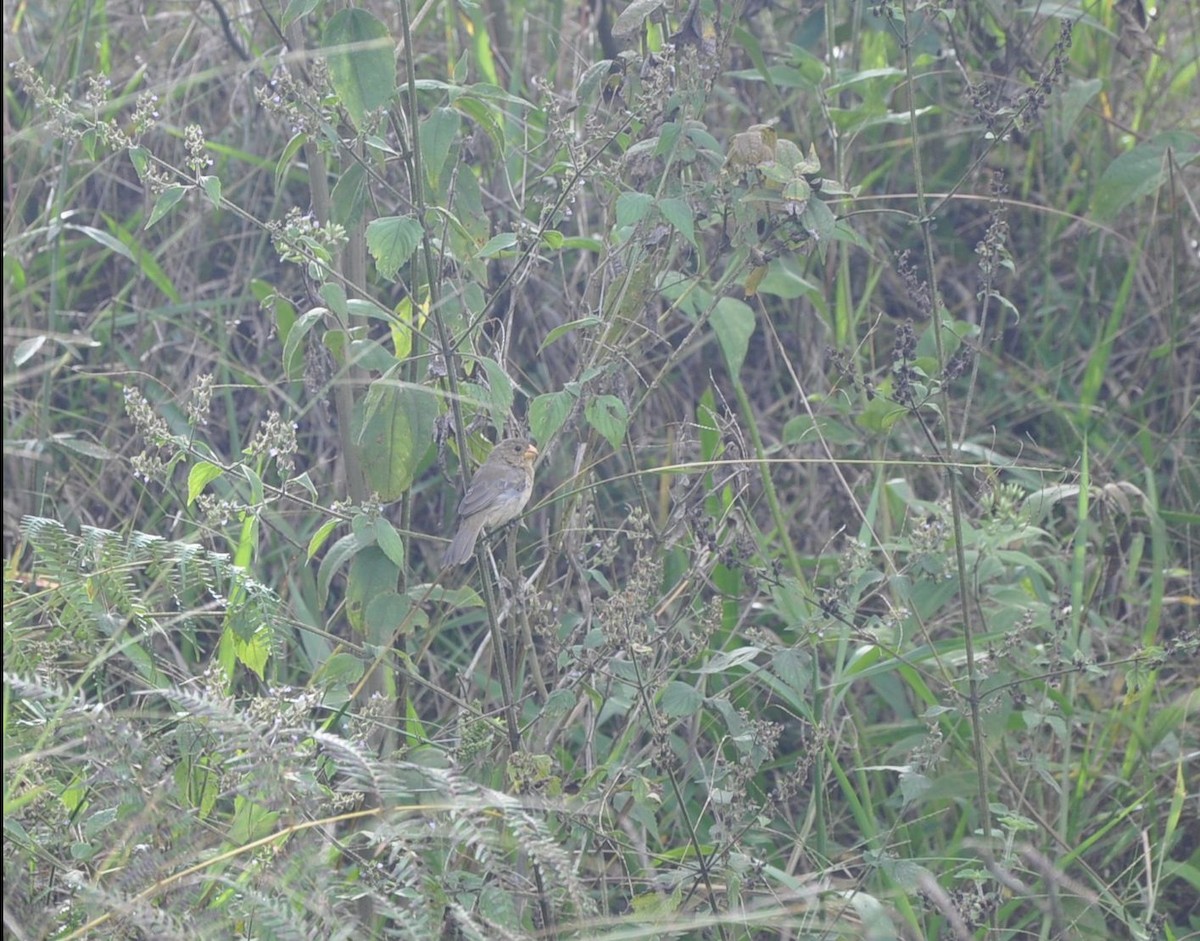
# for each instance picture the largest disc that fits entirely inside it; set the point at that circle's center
(857, 594)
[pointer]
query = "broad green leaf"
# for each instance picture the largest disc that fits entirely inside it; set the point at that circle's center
(563, 329)
(371, 355)
(293, 351)
(200, 476)
(252, 652)
(724, 660)
(500, 246)
(679, 213)
(800, 429)
(140, 158)
(290, 149)
(630, 19)
(342, 669)
(499, 394)
(338, 555)
(212, 189)
(396, 433)
(251, 821)
(372, 574)
(733, 322)
(334, 295)
(438, 132)
(296, 9)
(784, 279)
(391, 242)
(362, 307)
(362, 62)
(632, 208)
(819, 220)
(349, 196)
(549, 411)
(167, 200)
(486, 114)
(782, 76)
(1142, 171)
(881, 414)
(592, 79)
(609, 416)
(389, 540)
(390, 615)
(680, 699)
(319, 537)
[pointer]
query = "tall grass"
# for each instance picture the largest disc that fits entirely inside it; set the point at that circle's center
(856, 598)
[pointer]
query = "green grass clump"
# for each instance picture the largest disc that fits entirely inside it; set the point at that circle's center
(857, 595)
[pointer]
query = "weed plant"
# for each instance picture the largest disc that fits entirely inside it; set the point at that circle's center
(857, 597)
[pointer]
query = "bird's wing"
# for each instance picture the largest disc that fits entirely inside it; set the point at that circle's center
(485, 494)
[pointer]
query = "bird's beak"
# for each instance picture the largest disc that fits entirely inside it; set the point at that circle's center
(531, 454)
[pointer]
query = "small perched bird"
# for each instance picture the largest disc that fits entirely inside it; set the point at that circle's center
(497, 493)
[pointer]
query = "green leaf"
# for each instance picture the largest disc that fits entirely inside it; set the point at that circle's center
(167, 200)
(87, 448)
(881, 414)
(372, 574)
(334, 295)
(390, 615)
(140, 158)
(144, 258)
(819, 220)
(392, 241)
(549, 411)
(438, 131)
(724, 660)
(590, 82)
(293, 352)
(251, 821)
(564, 328)
(342, 669)
(396, 433)
(389, 541)
(199, 477)
(349, 196)
(800, 429)
(1141, 172)
(499, 394)
(733, 322)
(680, 699)
(504, 245)
(290, 149)
(630, 19)
(110, 242)
(609, 416)
(784, 279)
(679, 213)
(486, 115)
(27, 349)
(319, 537)
(254, 651)
(338, 555)
(370, 355)
(296, 9)
(362, 62)
(212, 189)
(632, 208)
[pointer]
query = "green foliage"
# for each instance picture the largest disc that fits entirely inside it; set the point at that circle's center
(856, 597)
